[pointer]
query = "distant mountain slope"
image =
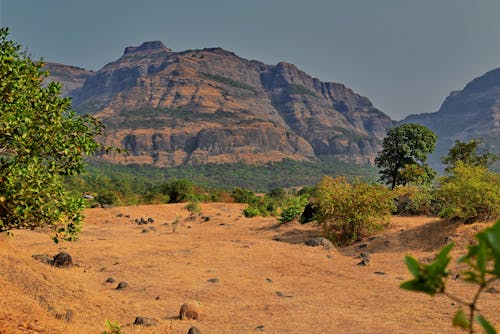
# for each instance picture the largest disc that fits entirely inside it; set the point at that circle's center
(211, 106)
(473, 112)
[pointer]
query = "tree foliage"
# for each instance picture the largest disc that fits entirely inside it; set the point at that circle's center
(469, 193)
(350, 211)
(467, 153)
(41, 139)
(404, 155)
(483, 268)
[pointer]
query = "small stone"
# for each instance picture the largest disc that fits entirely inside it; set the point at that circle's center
(110, 280)
(145, 231)
(379, 273)
(44, 258)
(151, 220)
(491, 290)
(387, 242)
(362, 246)
(68, 316)
(372, 238)
(191, 310)
(206, 219)
(157, 298)
(143, 321)
(62, 260)
(282, 295)
(213, 280)
(194, 330)
(269, 280)
(122, 285)
(319, 241)
(119, 215)
(152, 229)
(363, 262)
(260, 328)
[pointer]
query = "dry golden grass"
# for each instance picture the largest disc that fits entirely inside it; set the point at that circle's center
(283, 285)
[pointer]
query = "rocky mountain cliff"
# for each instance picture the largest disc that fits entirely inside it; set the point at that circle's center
(211, 106)
(473, 112)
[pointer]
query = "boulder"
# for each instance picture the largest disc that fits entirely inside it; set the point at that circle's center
(62, 260)
(320, 241)
(194, 330)
(191, 310)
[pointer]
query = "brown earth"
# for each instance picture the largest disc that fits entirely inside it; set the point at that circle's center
(246, 273)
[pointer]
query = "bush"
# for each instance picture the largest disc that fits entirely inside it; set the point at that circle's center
(193, 207)
(242, 195)
(350, 211)
(413, 200)
(293, 208)
(106, 198)
(469, 193)
(251, 211)
(179, 191)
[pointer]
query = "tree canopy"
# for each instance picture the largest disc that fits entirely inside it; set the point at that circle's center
(41, 139)
(404, 155)
(467, 153)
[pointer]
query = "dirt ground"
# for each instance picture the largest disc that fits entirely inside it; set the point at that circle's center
(251, 275)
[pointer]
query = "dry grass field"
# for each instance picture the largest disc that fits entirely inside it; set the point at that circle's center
(251, 275)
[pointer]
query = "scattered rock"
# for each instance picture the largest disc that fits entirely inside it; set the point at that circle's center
(62, 260)
(143, 321)
(363, 262)
(213, 280)
(387, 242)
(320, 241)
(44, 258)
(67, 316)
(145, 231)
(157, 298)
(194, 330)
(362, 246)
(260, 328)
(364, 256)
(152, 229)
(151, 220)
(110, 280)
(270, 280)
(282, 295)
(491, 290)
(206, 219)
(276, 238)
(372, 238)
(379, 273)
(122, 285)
(191, 310)
(119, 215)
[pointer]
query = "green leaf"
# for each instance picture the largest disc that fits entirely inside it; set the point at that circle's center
(413, 265)
(461, 320)
(488, 328)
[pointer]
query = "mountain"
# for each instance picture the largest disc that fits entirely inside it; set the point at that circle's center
(473, 112)
(211, 106)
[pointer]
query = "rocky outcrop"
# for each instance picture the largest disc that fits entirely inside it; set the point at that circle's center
(211, 106)
(473, 112)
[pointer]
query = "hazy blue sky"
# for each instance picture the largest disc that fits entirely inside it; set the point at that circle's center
(405, 55)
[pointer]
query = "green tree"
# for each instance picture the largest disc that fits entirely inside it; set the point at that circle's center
(41, 139)
(466, 152)
(405, 149)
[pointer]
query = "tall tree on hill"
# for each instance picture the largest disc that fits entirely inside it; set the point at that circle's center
(404, 155)
(466, 152)
(41, 139)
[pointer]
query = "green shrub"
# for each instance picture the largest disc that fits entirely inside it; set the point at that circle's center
(112, 327)
(469, 193)
(413, 200)
(179, 191)
(293, 208)
(193, 207)
(106, 198)
(242, 195)
(251, 211)
(350, 211)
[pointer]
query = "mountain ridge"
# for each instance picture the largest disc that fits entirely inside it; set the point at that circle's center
(211, 106)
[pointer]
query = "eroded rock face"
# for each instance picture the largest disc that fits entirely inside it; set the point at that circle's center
(211, 106)
(473, 112)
